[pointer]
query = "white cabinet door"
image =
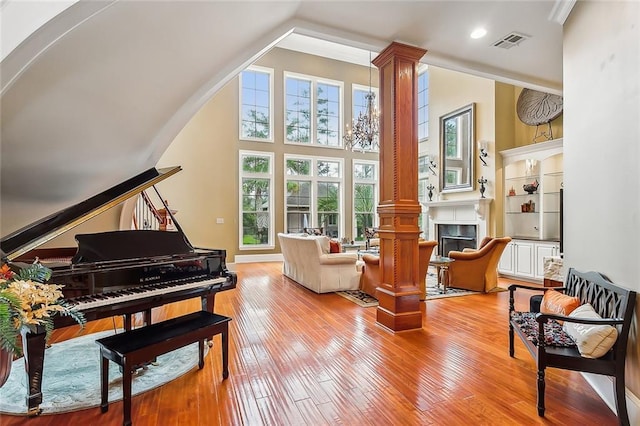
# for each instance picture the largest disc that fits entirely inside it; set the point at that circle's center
(506, 263)
(544, 250)
(523, 259)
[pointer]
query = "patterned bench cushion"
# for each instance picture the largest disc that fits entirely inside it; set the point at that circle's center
(553, 332)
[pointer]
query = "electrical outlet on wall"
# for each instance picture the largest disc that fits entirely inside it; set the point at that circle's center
(220, 220)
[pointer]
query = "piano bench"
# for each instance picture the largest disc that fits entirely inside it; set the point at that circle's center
(141, 345)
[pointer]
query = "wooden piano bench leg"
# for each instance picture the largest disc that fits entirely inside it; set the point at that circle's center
(225, 350)
(200, 354)
(104, 384)
(126, 392)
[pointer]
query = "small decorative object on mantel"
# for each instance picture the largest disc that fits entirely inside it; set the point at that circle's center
(430, 188)
(482, 181)
(530, 188)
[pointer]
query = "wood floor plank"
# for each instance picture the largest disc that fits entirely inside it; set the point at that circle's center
(299, 358)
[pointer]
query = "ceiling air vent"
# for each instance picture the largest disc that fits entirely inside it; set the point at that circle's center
(510, 40)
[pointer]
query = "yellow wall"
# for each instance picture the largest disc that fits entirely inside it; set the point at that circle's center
(207, 149)
(524, 134)
(208, 187)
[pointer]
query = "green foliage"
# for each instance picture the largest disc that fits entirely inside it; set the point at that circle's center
(256, 125)
(35, 272)
(18, 310)
(9, 335)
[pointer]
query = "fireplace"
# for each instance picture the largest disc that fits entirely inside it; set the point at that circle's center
(455, 237)
(457, 224)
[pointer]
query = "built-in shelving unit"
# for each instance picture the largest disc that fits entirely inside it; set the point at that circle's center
(531, 219)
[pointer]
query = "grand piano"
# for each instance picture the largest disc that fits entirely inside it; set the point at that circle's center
(116, 273)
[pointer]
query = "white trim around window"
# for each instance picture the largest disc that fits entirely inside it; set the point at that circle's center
(265, 213)
(314, 178)
(313, 110)
(365, 180)
(256, 101)
(423, 103)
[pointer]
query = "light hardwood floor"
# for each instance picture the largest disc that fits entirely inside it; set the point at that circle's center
(299, 358)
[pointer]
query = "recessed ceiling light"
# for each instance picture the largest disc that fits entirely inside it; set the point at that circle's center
(478, 33)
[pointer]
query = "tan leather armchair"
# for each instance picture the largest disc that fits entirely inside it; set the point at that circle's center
(477, 270)
(370, 279)
(426, 249)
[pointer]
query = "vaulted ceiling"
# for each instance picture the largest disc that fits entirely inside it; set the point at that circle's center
(93, 93)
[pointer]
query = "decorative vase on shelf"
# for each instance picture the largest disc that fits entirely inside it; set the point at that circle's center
(530, 188)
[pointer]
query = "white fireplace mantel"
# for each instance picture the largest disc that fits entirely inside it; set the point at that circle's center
(459, 212)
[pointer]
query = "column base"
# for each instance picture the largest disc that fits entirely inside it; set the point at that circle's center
(399, 311)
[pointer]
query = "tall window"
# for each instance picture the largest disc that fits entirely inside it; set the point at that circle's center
(328, 114)
(298, 110)
(360, 103)
(256, 104)
(423, 105)
(365, 196)
(423, 197)
(298, 194)
(423, 178)
(314, 194)
(313, 110)
(256, 203)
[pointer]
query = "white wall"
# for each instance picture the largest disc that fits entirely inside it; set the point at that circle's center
(601, 149)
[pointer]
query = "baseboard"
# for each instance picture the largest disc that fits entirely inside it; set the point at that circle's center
(507, 276)
(603, 385)
(255, 258)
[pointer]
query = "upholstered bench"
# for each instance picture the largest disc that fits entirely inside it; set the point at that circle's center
(583, 326)
(141, 345)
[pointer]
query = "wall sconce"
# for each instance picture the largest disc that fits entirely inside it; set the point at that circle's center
(431, 164)
(482, 149)
(482, 181)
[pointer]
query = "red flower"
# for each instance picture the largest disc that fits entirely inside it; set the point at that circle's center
(6, 273)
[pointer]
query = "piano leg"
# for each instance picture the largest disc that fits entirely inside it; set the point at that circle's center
(208, 302)
(127, 322)
(33, 347)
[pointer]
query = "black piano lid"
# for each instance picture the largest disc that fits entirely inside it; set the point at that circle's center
(43, 230)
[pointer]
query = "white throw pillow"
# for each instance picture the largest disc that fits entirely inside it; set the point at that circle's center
(323, 240)
(593, 341)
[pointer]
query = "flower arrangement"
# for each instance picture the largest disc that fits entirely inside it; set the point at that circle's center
(27, 302)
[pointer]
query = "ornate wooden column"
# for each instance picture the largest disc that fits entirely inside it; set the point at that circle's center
(398, 294)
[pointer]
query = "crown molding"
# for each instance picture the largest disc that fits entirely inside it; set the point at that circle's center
(561, 10)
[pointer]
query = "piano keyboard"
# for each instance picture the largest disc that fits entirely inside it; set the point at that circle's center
(84, 303)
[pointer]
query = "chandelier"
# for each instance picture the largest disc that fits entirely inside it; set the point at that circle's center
(363, 135)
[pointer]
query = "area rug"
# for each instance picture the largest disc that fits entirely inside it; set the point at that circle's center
(358, 297)
(71, 377)
(433, 292)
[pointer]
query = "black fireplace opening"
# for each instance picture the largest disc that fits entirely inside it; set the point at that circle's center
(456, 237)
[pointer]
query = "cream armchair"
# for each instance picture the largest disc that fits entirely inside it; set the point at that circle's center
(477, 270)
